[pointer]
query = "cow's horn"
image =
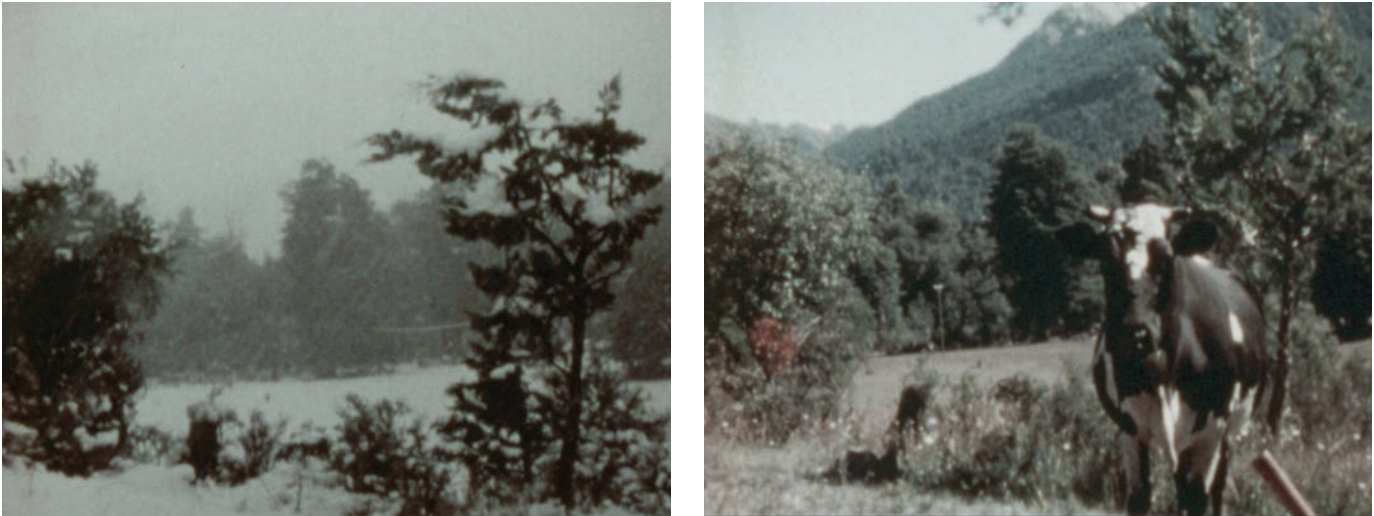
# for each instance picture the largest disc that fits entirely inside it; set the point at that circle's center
(1099, 213)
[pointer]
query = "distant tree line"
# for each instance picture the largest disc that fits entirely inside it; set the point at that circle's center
(355, 289)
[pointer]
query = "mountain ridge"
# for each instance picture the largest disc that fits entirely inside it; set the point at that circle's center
(1082, 80)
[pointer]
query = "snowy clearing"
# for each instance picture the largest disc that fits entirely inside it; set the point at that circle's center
(423, 389)
(141, 489)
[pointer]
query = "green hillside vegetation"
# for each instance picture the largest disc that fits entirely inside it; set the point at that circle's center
(1091, 86)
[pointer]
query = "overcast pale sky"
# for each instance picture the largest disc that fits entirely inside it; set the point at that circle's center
(847, 64)
(216, 106)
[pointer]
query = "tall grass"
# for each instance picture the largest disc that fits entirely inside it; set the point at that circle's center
(1023, 441)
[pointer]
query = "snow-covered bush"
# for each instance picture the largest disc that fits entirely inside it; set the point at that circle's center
(255, 449)
(491, 431)
(369, 450)
(203, 445)
(382, 451)
(623, 453)
(148, 445)
(20, 441)
(80, 270)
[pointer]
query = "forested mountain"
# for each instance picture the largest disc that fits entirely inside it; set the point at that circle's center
(1080, 78)
(808, 141)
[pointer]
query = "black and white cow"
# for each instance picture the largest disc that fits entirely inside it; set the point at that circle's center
(1181, 359)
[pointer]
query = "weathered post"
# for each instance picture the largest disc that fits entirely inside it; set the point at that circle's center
(1279, 482)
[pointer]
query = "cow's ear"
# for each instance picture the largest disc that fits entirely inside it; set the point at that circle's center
(1080, 240)
(1195, 237)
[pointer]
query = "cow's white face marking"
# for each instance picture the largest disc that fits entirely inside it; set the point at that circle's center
(1138, 225)
(1237, 332)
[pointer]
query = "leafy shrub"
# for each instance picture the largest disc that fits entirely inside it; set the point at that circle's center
(772, 409)
(1018, 439)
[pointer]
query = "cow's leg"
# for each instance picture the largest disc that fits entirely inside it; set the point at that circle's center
(1135, 456)
(1201, 474)
(1219, 482)
(1198, 468)
(1192, 495)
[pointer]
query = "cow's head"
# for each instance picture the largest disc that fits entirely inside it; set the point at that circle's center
(1137, 249)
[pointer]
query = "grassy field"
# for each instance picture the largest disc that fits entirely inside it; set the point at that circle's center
(752, 478)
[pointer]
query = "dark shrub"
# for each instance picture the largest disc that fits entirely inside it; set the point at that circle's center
(80, 270)
(378, 453)
(625, 449)
(493, 433)
(203, 440)
(369, 451)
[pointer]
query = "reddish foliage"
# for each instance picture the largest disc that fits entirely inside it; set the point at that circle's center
(773, 343)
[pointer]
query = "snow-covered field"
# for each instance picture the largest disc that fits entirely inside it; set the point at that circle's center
(318, 401)
(142, 489)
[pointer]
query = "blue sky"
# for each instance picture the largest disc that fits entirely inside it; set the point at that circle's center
(846, 64)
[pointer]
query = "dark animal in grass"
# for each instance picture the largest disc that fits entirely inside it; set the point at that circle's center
(911, 409)
(1181, 360)
(862, 465)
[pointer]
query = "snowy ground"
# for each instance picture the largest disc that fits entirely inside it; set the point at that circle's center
(423, 389)
(142, 489)
(145, 489)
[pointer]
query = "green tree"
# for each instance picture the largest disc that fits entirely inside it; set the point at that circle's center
(945, 277)
(1262, 137)
(564, 209)
(1040, 188)
(785, 237)
(782, 233)
(80, 269)
(1341, 282)
(333, 256)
